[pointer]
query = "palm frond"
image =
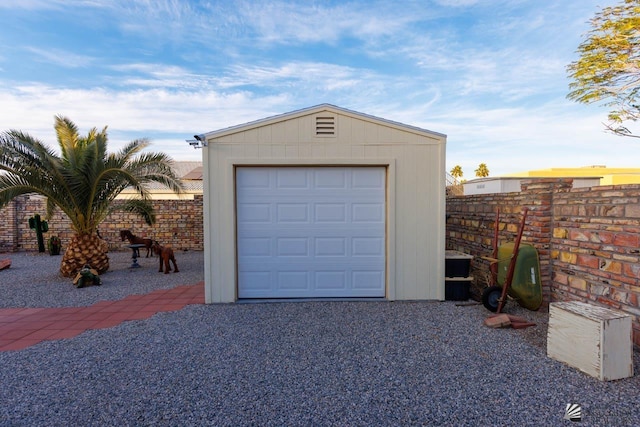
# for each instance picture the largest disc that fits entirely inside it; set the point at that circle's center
(67, 135)
(51, 207)
(142, 208)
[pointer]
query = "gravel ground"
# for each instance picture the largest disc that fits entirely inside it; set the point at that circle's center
(298, 364)
(33, 280)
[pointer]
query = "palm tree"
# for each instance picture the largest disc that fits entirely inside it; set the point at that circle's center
(83, 182)
(456, 173)
(482, 170)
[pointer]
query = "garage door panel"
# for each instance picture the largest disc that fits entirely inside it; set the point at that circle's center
(327, 280)
(330, 178)
(256, 178)
(255, 280)
(373, 280)
(293, 280)
(292, 247)
(314, 232)
(330, 212)
(254, 247)
(367, 178)
(292, 212)
(292, 178)
(254, 212)
(367, 212)
(367, 247)
(330, 247)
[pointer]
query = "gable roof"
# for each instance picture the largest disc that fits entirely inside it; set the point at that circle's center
(187, 169)
(318, 109)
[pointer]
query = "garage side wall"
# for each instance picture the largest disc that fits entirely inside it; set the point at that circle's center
(415, 194)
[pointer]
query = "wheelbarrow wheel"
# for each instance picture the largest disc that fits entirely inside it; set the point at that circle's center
(491, 298)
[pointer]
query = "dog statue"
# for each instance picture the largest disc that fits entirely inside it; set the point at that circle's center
(165, 253)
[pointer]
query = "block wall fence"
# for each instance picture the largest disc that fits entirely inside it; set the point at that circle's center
(178, 224)
(587, 239)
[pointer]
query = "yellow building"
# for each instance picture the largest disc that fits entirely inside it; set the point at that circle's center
(608, 176)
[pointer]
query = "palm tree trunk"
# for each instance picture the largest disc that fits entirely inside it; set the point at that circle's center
(85, 249)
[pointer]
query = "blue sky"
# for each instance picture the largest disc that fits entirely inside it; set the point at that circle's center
(490, 74)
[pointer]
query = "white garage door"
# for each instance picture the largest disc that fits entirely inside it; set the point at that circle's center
(307, 232)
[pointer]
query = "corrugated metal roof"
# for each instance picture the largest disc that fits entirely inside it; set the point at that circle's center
(189, 185)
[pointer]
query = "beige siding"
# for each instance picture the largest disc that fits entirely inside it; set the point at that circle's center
(415, 196)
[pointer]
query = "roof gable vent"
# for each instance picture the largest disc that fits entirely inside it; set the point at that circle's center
(326, 126)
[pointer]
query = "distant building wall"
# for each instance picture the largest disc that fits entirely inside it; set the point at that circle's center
(178, 224)
(510, 184)
(588, 239)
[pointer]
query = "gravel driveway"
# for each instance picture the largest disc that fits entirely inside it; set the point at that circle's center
(299, 364)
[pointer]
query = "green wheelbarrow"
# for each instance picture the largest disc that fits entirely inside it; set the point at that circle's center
(515, 272)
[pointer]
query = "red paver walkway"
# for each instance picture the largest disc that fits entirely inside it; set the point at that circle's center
(23, 327)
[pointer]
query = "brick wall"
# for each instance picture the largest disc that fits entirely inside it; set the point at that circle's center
(596, 253)
(8, 229)
(470, 225)
(178, 224)
(587, 239)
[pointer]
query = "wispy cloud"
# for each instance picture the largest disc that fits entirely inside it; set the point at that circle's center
(456, 3)
(291, 23)
(62, 58)
(147, 75)
(132, 114)
(321, 74)
(30, 4)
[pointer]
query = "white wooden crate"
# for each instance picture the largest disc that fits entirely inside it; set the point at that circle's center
(593, 339)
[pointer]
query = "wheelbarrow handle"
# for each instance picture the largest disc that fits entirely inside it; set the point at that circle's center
(512, 263)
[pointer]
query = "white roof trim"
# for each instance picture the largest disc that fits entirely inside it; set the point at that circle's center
(317, 109)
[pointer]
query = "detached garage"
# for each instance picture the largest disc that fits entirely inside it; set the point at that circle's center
(324, 203)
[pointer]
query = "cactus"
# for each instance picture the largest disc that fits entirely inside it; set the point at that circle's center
(40, 227)
(54, 245)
